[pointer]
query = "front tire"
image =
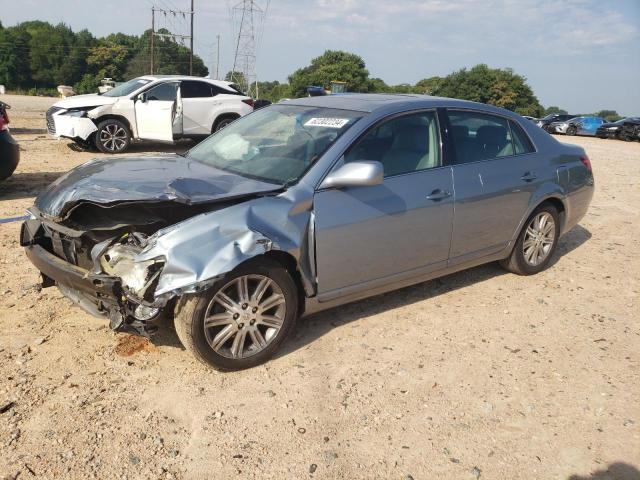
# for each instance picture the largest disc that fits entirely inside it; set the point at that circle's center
(536, 243)
(112, 136)
(243, 319)
(572, 130)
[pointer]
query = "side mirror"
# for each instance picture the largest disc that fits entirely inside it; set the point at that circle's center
(355, 174)
(142, 97)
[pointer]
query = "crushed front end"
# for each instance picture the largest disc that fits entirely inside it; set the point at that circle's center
(96, 269)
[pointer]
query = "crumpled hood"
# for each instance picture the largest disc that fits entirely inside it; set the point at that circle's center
(90, 100)
(152, 179)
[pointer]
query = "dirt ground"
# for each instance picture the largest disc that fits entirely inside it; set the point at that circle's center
(481, 374)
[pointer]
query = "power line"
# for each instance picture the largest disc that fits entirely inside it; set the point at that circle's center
(172, 13)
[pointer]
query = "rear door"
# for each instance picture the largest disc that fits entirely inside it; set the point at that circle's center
(496, 172)
(373, 235)
(198, 105)
(158, 116)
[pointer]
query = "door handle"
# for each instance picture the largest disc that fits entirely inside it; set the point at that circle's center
(438, 194)
(529, 177)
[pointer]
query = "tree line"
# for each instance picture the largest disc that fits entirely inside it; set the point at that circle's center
(36, 56)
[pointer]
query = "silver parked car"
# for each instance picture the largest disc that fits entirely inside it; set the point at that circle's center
(303, 206)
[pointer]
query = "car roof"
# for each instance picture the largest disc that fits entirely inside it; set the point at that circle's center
(369, 102)
(185, 77)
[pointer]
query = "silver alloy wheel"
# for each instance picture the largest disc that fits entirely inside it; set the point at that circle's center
(244, 316)
(539, 238)
(113, 137)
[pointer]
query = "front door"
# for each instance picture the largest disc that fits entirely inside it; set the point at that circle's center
(369, 236)
(157, 114)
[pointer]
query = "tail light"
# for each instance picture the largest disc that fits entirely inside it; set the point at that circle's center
(248, 101)
(586, 162)
(4, 119)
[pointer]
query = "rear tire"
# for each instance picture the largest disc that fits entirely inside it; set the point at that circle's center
(242, 329)
(536, 243)
(112, 136)
(223, 122)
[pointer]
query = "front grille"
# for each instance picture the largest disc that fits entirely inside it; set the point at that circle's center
(51, 124)
(64, 247)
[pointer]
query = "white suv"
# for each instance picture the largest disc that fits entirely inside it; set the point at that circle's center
(158, 107)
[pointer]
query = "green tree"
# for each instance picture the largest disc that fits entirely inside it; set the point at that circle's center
(608, 115)
(499, 87)
(332, 65)
(554, 109)
(427, 86)
(14, 58)
(273, 91)
(377, 85)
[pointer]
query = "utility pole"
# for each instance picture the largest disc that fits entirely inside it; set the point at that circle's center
(191, 52)
(218, 59)
(153, 33)
(170, 36)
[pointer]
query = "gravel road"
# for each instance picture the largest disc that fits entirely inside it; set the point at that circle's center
(478, 375)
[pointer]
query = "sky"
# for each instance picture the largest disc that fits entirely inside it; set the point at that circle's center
(581, 55)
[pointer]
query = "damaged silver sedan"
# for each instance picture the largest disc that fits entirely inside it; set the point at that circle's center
(303, 206)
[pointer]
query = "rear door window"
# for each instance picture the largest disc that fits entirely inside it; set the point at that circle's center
(194, 89)
(479, 136)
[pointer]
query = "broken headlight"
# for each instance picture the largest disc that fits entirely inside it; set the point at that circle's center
(137, 276)
(78, 112)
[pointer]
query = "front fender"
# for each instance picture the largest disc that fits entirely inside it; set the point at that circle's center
(198, 251)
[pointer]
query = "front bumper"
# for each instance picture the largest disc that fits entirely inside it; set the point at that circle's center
(61, 124)
(98, 294)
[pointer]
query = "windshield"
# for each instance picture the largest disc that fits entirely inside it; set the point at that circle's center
(275, 144)
(127, 87)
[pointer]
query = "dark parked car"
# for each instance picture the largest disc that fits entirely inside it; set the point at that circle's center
(544, 122)
(303, 206)
(615, 129)
(9, 149)
(630, 130)
(610, 129)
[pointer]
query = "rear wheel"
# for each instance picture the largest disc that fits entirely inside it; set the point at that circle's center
(536, 243)
(113, 136)
(243, 319)
(223, 122)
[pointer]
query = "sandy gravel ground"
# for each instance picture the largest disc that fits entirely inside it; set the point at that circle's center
(481, 374)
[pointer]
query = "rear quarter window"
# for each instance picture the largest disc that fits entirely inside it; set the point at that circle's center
(521, 142)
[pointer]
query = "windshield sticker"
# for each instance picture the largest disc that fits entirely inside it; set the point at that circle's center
(327, 122)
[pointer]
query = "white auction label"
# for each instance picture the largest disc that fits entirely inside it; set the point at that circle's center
(327, 122)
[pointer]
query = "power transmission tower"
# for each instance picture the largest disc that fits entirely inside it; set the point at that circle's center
(248, 18)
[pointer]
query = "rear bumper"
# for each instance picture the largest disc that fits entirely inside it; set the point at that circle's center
(9, 154)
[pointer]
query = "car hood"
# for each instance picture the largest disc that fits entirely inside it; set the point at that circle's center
(91, 100)
(144, 179)
(611, 124)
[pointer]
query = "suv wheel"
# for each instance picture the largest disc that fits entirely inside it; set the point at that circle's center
(113, 136)
(243, 319)
(536, 244)
(223, 122)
